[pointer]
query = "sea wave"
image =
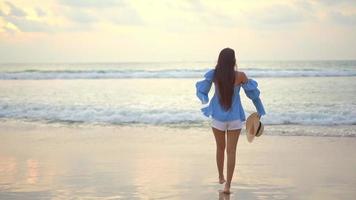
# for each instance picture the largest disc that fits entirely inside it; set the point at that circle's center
(165, 73)
(122, 115)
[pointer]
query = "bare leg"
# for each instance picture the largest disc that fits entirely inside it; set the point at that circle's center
(220, 150)
(232, 139)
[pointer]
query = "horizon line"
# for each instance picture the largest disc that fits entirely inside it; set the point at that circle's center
(172, 61)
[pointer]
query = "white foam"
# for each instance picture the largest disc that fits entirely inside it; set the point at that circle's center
(122, 115)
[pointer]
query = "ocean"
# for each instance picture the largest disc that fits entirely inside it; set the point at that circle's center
(319, 96)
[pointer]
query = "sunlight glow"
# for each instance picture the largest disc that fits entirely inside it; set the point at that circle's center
(120, 30)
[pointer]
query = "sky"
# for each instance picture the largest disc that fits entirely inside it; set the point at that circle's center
(175, 30)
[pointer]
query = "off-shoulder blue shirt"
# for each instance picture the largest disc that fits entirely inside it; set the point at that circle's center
(236, 112)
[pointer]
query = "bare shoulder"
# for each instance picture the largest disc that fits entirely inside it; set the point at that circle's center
(240, 77)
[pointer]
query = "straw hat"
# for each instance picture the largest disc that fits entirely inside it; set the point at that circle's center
(254, 127)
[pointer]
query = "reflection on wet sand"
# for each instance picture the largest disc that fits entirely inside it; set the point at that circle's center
(156, 176)
(224, 196)
(142, 163)
(8, 169)
(32, 171)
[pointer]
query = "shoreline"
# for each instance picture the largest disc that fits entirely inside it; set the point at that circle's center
(285, 130)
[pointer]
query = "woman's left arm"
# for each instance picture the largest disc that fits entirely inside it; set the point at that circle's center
(252, 92)
(203, 87)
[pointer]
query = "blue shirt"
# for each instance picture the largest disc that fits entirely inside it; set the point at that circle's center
(236, 111)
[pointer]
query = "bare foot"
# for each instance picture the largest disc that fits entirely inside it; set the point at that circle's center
(222, 180)
(227, 189)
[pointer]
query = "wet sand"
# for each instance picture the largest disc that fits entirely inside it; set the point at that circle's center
(39, 161)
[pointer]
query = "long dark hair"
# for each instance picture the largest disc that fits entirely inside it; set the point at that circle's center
(224, 77)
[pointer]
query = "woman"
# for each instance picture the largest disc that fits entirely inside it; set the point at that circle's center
(225, 108)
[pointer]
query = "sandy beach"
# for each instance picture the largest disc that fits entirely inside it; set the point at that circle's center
(39, 161)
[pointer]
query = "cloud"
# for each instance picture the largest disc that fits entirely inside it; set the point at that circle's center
(19, 18)
(40, 12)
(192, 15)
(69, 16)
(127, 16)
(15, 11)
(343, 19)
(187, 5)
(92, 3)
(81, 15)
(278, 15)
(288, 29)
(175, 16)
(334, 2)
(26, 25)
(116, 12)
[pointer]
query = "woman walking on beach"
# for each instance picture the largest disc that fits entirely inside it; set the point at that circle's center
(225, 108)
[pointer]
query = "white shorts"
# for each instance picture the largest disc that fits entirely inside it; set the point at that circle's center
(228, 125)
